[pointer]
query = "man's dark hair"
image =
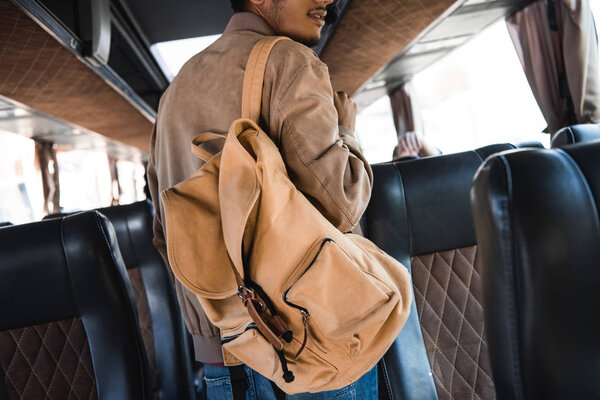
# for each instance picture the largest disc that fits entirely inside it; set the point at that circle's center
(238, 5)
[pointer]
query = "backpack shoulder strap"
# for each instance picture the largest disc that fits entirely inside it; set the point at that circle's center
(252, 91)
(254, 76)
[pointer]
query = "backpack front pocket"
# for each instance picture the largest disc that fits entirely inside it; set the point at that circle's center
(341, 304)
(252, 349)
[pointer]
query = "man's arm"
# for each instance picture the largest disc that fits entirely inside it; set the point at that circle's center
(323, 158)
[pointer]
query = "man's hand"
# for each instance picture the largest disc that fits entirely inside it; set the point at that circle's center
(346, 110)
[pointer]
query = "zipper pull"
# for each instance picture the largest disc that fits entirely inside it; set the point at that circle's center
(305, 316)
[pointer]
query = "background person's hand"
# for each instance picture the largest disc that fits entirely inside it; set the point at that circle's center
(408, 146)
(346, 109)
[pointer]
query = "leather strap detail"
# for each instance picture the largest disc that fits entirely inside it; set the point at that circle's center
(279, 326)
(254, 77)
(250, 299)
(262, 326)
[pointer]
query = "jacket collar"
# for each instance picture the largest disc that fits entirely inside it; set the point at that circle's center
(247, 21)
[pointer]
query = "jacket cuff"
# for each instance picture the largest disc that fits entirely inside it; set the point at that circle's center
(345, 131)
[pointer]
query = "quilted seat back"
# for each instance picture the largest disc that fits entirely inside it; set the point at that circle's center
(68, 326)
(420, 214)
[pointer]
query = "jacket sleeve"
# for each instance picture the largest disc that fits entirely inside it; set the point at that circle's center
(323, 159)
(159, 237)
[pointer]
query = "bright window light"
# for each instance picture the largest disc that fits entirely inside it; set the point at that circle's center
(376, 132)
(173, 54)
(478, 95)
(85, 181)
(21, 193)
(595, 6)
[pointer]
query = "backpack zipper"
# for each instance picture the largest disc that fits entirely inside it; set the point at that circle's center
(304, 313)
(228, 339)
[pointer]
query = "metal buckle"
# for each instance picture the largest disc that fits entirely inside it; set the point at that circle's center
(245, 293)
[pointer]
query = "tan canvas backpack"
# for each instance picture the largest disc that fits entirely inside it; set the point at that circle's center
(305, 305)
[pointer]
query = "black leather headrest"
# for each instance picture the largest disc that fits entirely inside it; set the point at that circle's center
(429, 198)
(2, 224)
(530, 144)
(406, 158)
(538, 231)
(40, 270)
(576, 134)
(488, 150)
(133, 224)
(129, 221)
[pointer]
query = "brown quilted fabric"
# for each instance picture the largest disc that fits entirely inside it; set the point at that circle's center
(39, 72)
(448, 297)
(372, 33)
(145, 322)
(49, 360)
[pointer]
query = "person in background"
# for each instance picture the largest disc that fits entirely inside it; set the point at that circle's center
(414, 147)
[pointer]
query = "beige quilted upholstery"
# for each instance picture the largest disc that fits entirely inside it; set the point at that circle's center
(372, 33)
(448, 297)
(39, 72)
(48, 361)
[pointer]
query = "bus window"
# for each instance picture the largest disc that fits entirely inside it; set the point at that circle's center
(21, 196)
(85, 180)
(478, 95)
(131, 182)
(173, 54)
(595, 6)
(376, 132)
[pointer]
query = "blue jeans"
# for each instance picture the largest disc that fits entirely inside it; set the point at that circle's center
(218, 387)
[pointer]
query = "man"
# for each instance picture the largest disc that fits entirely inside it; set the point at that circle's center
(312, 126)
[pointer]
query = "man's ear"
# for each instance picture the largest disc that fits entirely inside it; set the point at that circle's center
(257, 6)
(256, 2)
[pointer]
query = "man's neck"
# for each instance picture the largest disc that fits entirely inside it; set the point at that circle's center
(247, 21)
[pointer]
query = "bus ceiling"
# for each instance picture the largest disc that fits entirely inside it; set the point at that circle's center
(88, 63)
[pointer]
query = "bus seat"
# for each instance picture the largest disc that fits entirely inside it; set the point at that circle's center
(420, 214)
(406, 158)
(530, 144)
(160, 320)
(3, 224)
(161, 323)
(538, 229)
(68, 326)
(575, 134)
(486, 151)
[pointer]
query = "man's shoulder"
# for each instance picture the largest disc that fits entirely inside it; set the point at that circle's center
(236, 46)
(295, 53)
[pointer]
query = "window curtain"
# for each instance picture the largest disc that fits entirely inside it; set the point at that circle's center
(46, 156)
(407, 120)
(558, 48)
(114, 182)
(405, 113)
(406, 117)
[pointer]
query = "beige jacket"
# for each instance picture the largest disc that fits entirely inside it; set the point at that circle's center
(323, 159)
